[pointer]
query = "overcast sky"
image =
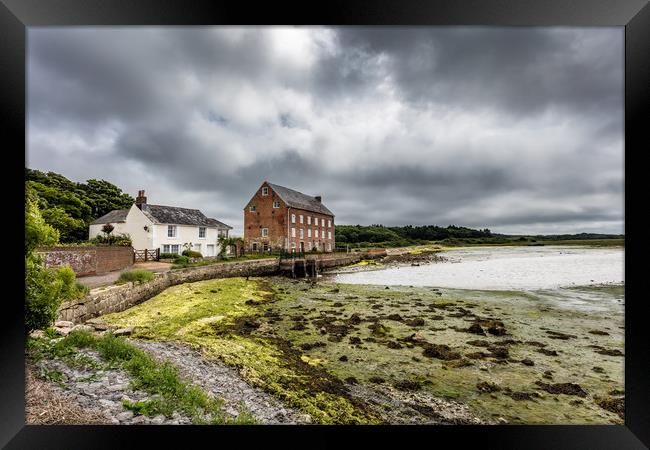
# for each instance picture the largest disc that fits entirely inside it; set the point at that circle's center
(519, 130)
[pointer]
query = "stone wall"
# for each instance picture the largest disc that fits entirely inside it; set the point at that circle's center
(86, 260)
(118, 298)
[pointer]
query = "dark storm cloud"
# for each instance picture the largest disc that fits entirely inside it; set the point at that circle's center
(515, 129)
(519, 70)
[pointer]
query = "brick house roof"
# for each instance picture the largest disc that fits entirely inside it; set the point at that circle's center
(299, 200)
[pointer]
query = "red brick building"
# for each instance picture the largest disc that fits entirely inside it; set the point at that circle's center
(279, 218)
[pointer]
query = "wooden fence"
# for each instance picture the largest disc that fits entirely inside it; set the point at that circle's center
(146, 255)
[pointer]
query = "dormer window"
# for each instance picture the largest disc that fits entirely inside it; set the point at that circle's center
(265, 190)
(252, 208)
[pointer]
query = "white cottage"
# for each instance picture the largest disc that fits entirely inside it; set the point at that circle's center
(164, 227)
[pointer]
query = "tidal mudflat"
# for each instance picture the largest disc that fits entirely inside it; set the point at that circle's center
(352, 353)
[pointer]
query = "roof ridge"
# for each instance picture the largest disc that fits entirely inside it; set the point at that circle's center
(178, 207)
(293, 190)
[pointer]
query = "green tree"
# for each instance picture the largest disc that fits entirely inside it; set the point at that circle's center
(225, 242)
(69, 206)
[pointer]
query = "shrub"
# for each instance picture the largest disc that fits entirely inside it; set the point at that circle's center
(139, 276)
(192, 254)
(122, 239)
(181, 260)
(45, 289)
(168, 255)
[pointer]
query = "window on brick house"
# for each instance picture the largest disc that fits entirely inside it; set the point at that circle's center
(329, 235)
(265, 232)
(329, 223)
(253, 208)
(308, 220)
(302, 233)
(316, 221)
(309, 232)
(265, 191)
(293, 218)
(293, 232)
(301, 219)
(276, 204)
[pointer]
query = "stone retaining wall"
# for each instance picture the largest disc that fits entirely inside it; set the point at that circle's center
(87, 260)
(118, 298)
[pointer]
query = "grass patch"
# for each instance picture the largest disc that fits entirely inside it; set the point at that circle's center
(161, 380)
(135, 276)
(52, 375)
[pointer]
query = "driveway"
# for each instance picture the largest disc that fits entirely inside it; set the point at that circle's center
(94, 281)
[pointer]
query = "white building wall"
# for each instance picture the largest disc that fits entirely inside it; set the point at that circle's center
(186, 234)
(134, 227)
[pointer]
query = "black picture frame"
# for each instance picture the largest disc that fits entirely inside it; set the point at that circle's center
(634, 15)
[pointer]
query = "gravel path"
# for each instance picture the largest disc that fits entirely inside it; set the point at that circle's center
(222, 381)
(107, 279)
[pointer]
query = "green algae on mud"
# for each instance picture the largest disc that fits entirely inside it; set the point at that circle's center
(220, 317)
(299, 339)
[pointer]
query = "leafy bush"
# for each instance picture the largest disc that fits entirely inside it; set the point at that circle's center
(136, 276)
(45, 289)
(122, 240)
(192, 254)
(181, 260)
(168, 255)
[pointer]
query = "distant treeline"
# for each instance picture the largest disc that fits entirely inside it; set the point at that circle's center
(567, 237)
(382, 236)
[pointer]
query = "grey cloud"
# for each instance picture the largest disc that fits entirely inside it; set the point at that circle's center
(158, 106)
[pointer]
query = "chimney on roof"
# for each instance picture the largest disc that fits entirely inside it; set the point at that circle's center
(318, 198)
(140, 199)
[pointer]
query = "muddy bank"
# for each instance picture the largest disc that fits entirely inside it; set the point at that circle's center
(379, 354)
(413, 258)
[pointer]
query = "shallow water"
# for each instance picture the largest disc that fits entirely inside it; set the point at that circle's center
(505, 268)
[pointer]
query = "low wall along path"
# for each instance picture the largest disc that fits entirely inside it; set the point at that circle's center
(88, 260)
(121, 297)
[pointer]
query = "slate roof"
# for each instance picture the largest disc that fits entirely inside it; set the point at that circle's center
(180, 216)
(299, 200)
(218, 224)
(117, 215)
